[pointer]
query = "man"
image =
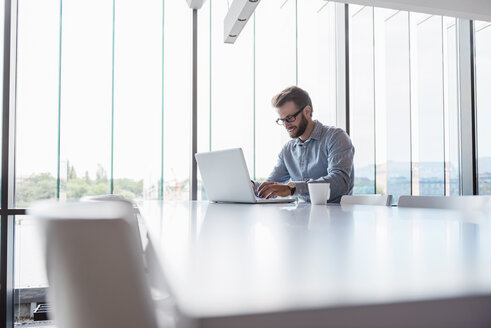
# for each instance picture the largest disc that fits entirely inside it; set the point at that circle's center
(315, 153)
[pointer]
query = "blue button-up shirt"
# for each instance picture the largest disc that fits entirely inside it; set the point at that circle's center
(326, 156)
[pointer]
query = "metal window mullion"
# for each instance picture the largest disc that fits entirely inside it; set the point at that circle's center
(296, 42)
(111, 188)
(444, 102)
(8, 161)
(411, 173)
(193, 195)
(210, 79)
(466, 108)
(342, 66)
(374, 106)
(58, 158)
(161, 187)
(254, 98)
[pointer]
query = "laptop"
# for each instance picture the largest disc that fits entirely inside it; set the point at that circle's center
(226, 178)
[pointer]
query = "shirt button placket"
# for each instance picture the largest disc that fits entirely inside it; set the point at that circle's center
(302, 163)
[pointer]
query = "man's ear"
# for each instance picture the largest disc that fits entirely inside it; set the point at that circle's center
(308, 111)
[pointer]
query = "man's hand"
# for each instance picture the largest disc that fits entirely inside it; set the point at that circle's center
(271, 189)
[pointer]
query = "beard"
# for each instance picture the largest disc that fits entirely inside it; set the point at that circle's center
(301, 128)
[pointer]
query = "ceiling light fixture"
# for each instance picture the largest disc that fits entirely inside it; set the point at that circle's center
(237, 17)
(195, 4)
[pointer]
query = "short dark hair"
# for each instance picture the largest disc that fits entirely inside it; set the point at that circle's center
(299, 96)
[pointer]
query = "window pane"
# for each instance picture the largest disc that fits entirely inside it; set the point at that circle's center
(452, 167)
(483, 82)
(204, 85)
(317, 57)
(29, 272)
(397, 102)
(427, 111)
(275, 71)
(177, 98)
(362, 97)
(86, 52)
(380, 16)
(403, 81)
(137, 99)
(232, 82)
(37, 100)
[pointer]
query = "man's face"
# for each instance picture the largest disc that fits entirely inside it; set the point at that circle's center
(296, 128)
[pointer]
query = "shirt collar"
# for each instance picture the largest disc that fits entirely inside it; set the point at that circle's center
(316, 133)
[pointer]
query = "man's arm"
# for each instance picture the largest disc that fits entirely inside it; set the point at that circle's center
(279, 175)
(340, 152)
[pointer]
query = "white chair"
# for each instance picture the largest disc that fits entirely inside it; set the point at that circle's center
(151, 262)
(95, 270)
(447, 202)
(379, 200)
(106, 197)
(130, 217)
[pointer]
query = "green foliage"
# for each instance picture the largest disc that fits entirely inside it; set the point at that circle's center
(43, 186)
(128, 188)
(379, 189)
(71, 174)
(35, 187)
(101, 175)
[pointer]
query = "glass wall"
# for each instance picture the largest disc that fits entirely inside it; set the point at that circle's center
(397, 101)
(403, 102)
(85, 98)
(137, 98)
(177, 94)
(451, 89)
(362, 100)
(483, 83)
(276, 69)
(97, 105)
(37, 153)
(93, 115)
(317, 56)
(235, 100)
(103, 110)
(30, 279)
(204, 83)
(428, 157)
(38, 69)
(232, 87)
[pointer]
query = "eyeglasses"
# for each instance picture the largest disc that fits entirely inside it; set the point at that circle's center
(289, 118)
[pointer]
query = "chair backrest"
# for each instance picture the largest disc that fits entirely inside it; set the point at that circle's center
(94, 268)
(152, 264)
(447, 202)
(130, 217)
(380, 200)
(106, 197)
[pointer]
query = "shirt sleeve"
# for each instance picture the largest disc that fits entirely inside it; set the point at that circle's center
(340, 152)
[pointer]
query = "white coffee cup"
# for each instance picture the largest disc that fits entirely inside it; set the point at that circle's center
(319, 192)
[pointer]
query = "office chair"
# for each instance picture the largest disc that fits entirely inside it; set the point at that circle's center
(131, 218)
(379, 200)
(94, 268)
(447, 202)
(160, 289)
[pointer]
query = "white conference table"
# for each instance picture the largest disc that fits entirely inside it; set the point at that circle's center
(297, 265)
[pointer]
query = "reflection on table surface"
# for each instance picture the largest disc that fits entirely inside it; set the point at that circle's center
(239, 258)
